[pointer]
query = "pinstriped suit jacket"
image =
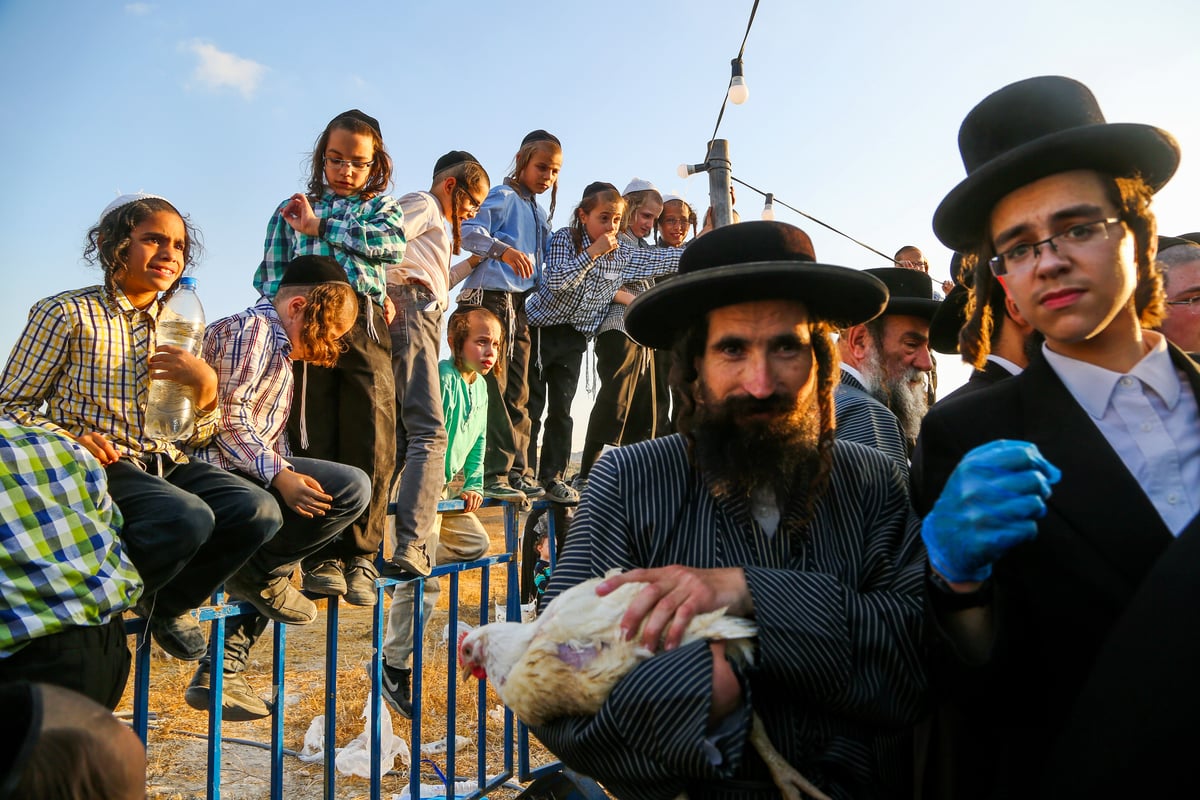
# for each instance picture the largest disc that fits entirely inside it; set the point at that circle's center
(838, 679)
(863, 419)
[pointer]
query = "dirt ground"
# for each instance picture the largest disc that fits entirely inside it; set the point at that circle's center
(176, 752)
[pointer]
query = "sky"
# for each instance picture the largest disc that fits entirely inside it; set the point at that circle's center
(853, 112)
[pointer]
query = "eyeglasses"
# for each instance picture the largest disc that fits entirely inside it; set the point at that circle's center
(1192, 303)
(1074, 239)
(341, 163)
(472, 206)
(920, 266)
(672, 222)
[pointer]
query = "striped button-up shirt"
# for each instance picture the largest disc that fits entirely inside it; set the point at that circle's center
(838, 677)
(249, 352)
(365, 236)
(576, 289)
(87, 359)
(61, 560)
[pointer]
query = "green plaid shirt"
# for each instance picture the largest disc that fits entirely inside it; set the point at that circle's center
(87, 360)
(61, 560)
(365, 236)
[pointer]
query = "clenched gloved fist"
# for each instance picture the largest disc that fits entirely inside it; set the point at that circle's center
(991, 503)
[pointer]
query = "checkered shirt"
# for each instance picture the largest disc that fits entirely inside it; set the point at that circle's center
(365, 236)
(87, 359)
(61, 560)
(249, 352)
(576, 289)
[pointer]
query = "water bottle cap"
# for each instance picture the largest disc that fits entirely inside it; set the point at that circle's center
(187, 283)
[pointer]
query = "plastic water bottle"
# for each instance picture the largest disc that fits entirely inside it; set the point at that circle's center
(170, 410)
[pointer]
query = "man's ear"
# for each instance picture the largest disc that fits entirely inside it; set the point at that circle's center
(857, 340)
(1014, 314)
(295, 305)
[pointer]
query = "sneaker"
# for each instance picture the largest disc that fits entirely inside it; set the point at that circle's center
(179, 636)
(360, 581)
(397, 690)
(579, 483)
(413, 559)
(527, 486)
(559, 492)
(499, 489)
(239, 703)
(277, 599)
(325, 578)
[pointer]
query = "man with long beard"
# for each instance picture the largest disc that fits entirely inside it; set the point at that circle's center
(888, 359)
(754, 507)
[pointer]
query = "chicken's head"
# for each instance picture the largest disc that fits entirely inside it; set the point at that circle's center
(471, 646)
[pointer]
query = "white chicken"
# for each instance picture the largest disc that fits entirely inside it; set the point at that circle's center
(576, 646)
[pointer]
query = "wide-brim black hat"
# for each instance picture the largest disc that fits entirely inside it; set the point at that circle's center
(949, 320)
(750, 262)
(1035, 128)
(909, 291)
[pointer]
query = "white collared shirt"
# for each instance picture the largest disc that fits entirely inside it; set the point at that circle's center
(1010, 367)
(1150, 419)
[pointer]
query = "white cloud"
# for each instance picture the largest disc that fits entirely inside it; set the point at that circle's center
(218, 70)
(138, 9)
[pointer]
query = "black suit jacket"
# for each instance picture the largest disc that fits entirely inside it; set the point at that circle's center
(1056, 598)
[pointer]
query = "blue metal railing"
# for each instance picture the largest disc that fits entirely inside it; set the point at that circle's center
(220, 611)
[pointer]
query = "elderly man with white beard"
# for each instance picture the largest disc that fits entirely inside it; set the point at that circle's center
(883, 395)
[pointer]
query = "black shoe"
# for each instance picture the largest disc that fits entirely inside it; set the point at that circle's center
(325, 578)
(239, 703)
(559, 492)
(498, 489)
(413, 559)
(179, 636)
(360, 575)
(527, 486)
(397, 690)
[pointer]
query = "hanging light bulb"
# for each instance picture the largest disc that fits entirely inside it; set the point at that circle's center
(739, 92)
(769, 207)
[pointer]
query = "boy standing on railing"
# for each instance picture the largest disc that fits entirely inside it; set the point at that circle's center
(475, 342)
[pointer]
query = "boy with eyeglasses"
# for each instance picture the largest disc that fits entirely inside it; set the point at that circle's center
(1058, 504)
(419, 288)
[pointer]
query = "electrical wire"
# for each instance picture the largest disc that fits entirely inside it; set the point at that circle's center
(889, 259)
(741, 52)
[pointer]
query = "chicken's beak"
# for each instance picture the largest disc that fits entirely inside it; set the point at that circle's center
(464, 670)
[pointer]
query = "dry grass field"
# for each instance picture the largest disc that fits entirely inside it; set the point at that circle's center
(176, 756)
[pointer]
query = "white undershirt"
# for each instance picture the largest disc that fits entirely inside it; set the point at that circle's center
(1150, 418)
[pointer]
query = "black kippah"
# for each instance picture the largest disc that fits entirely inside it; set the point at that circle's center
(540, 136)
(354, 113)
(599, 186)
(306, 270)
(453, 158)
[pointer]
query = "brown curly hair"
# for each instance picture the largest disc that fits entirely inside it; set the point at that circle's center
(634, 201)
(381, 169)
(1131, 197)
(108, 240)
(326, 305)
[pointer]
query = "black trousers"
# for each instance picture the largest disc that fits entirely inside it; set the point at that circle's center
(508, 394)
(93, 661)
(553, 378)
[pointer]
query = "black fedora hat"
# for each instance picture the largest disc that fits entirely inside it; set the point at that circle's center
(909, 291)
(949, 320)
(1035, 128)
(749, 262)
(1191, 237)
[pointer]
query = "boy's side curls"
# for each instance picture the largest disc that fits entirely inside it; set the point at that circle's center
(109, 239)
(531, 145)
(470, 178)
(458, 328)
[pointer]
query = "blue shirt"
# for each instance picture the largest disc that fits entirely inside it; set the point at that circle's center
(509, 217)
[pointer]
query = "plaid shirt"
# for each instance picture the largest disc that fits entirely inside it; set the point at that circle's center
(614, 320)
(365, 236)
(249, 352)
(86, 359)
(576, 289)
(61, 560)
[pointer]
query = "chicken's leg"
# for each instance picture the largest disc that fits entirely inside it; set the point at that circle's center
(793, 785)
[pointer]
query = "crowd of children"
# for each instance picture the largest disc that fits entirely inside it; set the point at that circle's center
(294, 456)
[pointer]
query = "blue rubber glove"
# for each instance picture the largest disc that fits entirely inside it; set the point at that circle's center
(991, 503)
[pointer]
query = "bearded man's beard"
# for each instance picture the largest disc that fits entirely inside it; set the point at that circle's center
(907, 395)
(738, 453)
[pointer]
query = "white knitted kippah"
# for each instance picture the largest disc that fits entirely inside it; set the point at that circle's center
(639, 185)
(126, 199)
